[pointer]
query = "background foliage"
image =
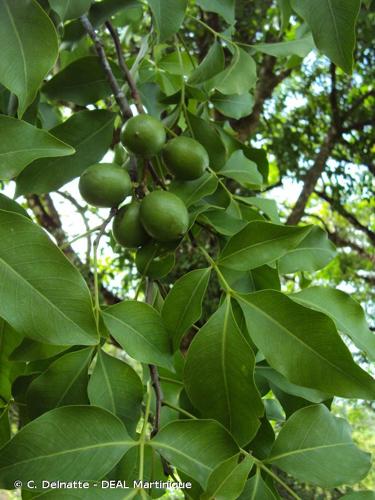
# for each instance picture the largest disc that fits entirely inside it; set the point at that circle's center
(288, 87)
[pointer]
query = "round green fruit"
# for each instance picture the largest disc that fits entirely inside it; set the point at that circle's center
(127, 228)
(143, 135)
(185, 158)
(105, 185)
(164, 216)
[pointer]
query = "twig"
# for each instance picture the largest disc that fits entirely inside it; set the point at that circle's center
(159, 398)
(154, 374)
(347, 215)
(82, 211)
(117, 92)
(155, 176)
(124, 67)
(102, 229)
(357, 103)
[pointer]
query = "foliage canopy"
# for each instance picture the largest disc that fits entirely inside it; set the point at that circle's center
(217, 364)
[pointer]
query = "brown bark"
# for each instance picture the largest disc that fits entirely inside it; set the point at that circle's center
(312, 177)
(267, 82)
(347, 215)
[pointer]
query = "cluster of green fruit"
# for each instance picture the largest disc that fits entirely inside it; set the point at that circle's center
(159, 215)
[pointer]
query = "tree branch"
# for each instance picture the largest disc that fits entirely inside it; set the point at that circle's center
(357, 125)
(347, 215)
(117, 92)
(339, 241)
(357, 103)
(312, 177)
(126, 73)
(267, 82)
(333, 97)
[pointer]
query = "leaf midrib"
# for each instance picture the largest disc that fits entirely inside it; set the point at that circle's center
(58, 151)
(337, 36)
(138, 333)
(303, 450)
(45, 298)
(69, 451)
(179, 452)
(247, 248)
(19, 41)
(187, 306)
(74, 379)
(290, 333)
(223, 363)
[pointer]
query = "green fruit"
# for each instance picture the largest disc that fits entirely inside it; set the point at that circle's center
(185, 158)
(164, 216)
(127, 228)
(105, 185)
(143, 135)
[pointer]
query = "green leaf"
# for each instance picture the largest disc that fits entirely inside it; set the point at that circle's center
(234, 106)
(139, 329)
(29, 49)
(90, 132)
(70, 9)
(183, 304)
(211, 65)
(316, 447)
(346, 312)
(223, 222)
(74, 442)
(171, 63)
(260, 243)
(30, 350)
(285, 332)
(281, 382)
(195, 446)
(241, 169)
(22, 143)
(63, 383)
(154, 260)
(360, 495)
(9, 339)
(225, 8)
(299, 47)
(332, 23)
(128, 469)
(168, 16)
(314, 252)
(257, 489)
(285, 13)
(228, 479)
(267, 206)
(206, 133)
(81, 82)
(192, 191)
(11, 206)
(46, 297)
(239, 77)
(4, 426)
(219, 376)
(115, 386)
